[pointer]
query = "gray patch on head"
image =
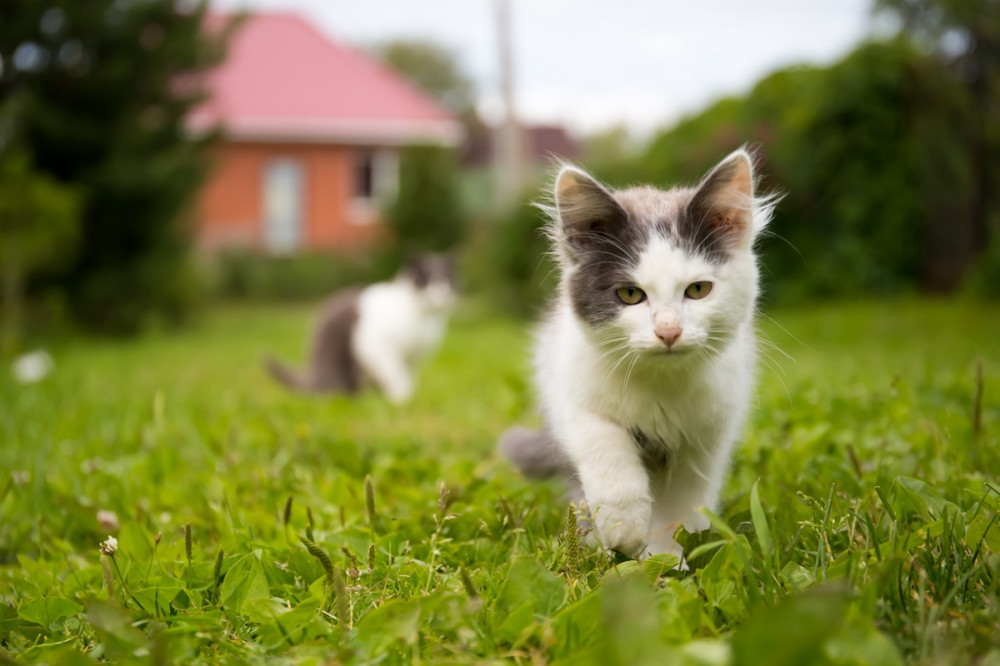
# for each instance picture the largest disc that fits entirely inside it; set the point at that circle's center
(606, 244)
(610, 261)
(608, 230)
(428, 268)
(701, 225)
(592, 286)
(685, 223)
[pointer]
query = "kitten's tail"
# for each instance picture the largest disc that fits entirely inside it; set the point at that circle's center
(287, 376)
(534, 452)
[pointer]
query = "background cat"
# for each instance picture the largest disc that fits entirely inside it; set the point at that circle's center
(644, 365)
(378, 334)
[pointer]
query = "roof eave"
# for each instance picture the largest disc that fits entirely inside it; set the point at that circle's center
(358, 132)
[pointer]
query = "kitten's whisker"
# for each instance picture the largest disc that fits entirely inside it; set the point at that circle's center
(697, 470)
(773, 346)
(628, 374)
(771, 365)
(786, 331)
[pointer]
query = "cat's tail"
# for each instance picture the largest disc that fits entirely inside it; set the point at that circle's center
(290, 378)
(534, 452)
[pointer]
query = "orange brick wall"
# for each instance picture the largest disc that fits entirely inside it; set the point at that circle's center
(230, 205)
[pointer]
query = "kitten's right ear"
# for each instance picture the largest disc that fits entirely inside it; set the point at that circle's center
(722, 207)
(587, 211)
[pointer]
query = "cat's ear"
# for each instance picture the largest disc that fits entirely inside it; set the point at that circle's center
(415, 268)
(723, 205)
(587, 212)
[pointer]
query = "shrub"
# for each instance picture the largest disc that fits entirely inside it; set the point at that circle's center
(426, 214)
(109, 122)
(247, 275)
(508, 261)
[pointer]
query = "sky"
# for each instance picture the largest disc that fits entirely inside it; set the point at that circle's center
(594, 64)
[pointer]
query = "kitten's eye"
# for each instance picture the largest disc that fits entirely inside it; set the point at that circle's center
(697, 290)
(630, 295)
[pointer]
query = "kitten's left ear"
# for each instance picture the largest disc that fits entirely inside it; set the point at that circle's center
(723, 204)
(588, 213)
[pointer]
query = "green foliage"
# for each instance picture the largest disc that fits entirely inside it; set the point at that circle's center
(106, 87)
(38, 227)
(873, 155)
(37, 215)
(426, 214)
(508, 261)
(614, 145)
(860, 523)
(878, 179)
(434, 70)
(245, 275)
(984, 277)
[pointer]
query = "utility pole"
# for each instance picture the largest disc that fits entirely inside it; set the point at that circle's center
(507, 138)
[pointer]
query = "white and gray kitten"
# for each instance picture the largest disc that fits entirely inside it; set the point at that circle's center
(378, 335)
(645, 364)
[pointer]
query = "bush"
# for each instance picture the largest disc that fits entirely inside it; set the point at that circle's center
(246, 275)
(109, 122)
(426, 214)
(983, 279)
(508, 261)
(39, 227)
(872, 154)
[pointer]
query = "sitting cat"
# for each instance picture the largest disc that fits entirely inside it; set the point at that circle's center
(645, 363)
(378, 334)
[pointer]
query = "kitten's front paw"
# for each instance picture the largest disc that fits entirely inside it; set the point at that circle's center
(399, 393)
(624, 525)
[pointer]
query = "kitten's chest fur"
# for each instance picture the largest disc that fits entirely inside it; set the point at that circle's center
(393, 314)
(667, 411)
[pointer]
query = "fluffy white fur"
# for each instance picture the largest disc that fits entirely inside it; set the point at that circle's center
(596, 384)
(399, 325)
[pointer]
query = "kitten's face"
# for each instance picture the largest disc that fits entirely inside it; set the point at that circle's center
(433, 277)
(669, 274)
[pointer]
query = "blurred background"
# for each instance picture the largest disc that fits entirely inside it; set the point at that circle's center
(161, 157)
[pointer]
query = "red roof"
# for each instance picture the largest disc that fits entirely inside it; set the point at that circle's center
(283, 80)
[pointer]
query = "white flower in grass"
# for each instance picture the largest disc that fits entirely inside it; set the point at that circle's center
(32, 367)
(108, 520)
(109, 546)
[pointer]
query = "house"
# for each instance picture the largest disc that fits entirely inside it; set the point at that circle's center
(311, 134)
(540, 146)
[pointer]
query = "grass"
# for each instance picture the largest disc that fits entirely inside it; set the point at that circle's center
(859, 525)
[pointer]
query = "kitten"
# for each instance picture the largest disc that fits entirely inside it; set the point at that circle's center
(644, 366)
(378, 334)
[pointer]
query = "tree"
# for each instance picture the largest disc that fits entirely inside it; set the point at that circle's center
(872, 155)
(107, 85)
(611, 146)
(966, 34)
(434, 70)
(38, 226)
(426, 214)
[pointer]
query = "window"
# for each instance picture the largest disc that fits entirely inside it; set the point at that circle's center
(282, 205)
(364, 176)
(376, 178)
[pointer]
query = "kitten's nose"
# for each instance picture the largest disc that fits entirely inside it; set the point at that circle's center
(668, 333)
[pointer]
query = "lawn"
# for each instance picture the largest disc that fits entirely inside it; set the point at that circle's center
(859, 525)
